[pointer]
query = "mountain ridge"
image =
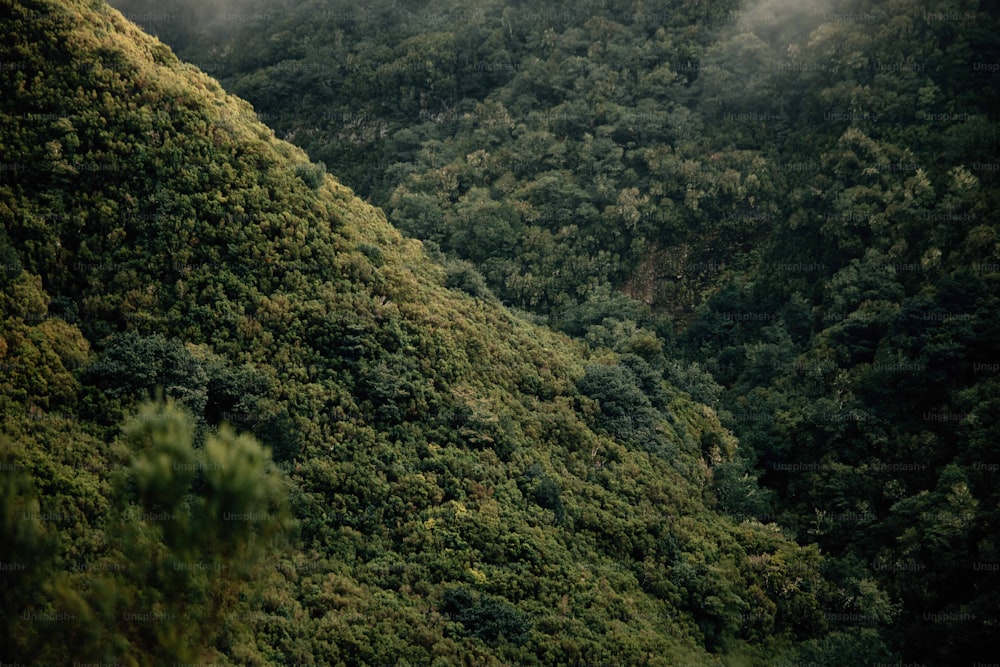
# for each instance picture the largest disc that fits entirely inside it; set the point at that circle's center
(817, 180)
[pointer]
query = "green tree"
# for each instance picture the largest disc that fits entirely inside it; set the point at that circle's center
(28, 554)
(626, 411)
(134, 366)
(195, 526)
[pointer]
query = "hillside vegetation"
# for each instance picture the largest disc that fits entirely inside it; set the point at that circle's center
(246, 421)
(787, 209)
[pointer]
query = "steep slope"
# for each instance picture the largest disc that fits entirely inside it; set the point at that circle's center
(551, 148)
(807, 190)
(467, 486)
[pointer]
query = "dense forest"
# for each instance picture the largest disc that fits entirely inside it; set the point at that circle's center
(685, 352)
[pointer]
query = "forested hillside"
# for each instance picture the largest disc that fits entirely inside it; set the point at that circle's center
(787, 210)
(246, 421)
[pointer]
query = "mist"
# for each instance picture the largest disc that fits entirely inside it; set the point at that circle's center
(182, 22)
(738, 72)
